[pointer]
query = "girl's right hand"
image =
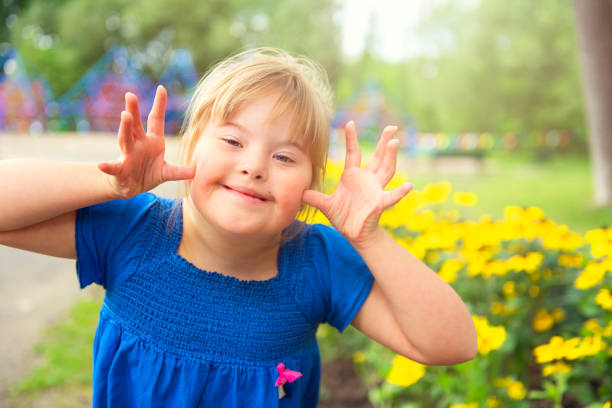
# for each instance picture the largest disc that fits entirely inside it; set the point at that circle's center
(142, 166)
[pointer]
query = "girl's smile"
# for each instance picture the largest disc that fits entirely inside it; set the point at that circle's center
(247, 194)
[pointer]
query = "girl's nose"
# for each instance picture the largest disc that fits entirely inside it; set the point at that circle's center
(254, 167)
(254, 173)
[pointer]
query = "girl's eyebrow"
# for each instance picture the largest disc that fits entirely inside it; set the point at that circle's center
(236, 125)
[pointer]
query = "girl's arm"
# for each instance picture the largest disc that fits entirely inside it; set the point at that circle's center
(38, 197)
(410, 309)
(34, 190)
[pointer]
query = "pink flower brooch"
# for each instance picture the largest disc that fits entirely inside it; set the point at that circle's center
(285, 375)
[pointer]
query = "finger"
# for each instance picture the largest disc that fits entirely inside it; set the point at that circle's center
(376, 160)
(111, 168)
(353, 154)
(155, 121)
(125, 134)
(387, 169)
(131, 105)
(316, 199)
(171, 172)
(392, 197)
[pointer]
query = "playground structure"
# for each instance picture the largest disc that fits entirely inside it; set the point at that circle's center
(93, 104)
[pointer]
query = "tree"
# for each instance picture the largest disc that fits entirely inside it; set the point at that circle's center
(61, 39)
(594, 23)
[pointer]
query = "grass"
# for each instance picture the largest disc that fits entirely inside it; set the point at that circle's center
(62, 377)
(561, 187)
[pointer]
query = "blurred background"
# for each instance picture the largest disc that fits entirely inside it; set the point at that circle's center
(489, 96)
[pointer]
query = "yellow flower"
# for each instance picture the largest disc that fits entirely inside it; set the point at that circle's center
(534, 290)
(601, 242)
(552, 351)
(437, 192)
(470, 405)
(449, 269)
(529, 263)
(607, 332)
(509, 290)
(517, 391)
(420, 221)
(593, 326)
(498, 308)
(405, 372)
(558, 314)
(502, 382)
(558, 367)
(572, 261)
(495, 267)
(558, 237)
(517, 215)
(392, 218)
(604, 299)
(589, 346)
(590, 276)
(542, 321)
(489, 337)
(467, 199)
(607, 405)
(359, 357)
(492, 402)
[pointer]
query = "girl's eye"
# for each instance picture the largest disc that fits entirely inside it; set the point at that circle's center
(232, 142)
(283, 158)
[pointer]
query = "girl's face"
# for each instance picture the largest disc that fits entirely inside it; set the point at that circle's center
(250, 176)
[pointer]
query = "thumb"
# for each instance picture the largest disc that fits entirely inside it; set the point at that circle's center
(172, 172)
(111, 168)
(316, 199)
(392, 197)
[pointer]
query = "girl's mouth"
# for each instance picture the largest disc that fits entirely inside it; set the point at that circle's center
(246, 193)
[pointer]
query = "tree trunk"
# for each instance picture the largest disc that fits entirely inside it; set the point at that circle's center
(594, 24)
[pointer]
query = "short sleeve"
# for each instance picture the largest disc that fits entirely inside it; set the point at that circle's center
(339, 278)
(109, 239)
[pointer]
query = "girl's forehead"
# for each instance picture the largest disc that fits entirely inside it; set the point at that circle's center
(266, 113)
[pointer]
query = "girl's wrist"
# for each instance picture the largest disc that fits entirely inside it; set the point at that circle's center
(370, 240)
(110, 189)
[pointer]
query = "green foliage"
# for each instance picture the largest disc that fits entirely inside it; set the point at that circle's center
(82, 31)
(494, 67)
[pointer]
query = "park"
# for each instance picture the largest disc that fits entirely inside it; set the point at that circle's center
(503, 130)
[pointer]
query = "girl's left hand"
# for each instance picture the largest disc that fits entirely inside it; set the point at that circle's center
(355, 207)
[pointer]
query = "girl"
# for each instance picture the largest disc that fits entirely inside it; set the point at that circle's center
(214, 299)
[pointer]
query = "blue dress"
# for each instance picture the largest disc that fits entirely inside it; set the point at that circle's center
(173, 335)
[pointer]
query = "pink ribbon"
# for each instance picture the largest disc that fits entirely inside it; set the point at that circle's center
(285, 375)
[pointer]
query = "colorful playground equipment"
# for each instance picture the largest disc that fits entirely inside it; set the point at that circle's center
(23, 100)
(179, 78)
(94, 102)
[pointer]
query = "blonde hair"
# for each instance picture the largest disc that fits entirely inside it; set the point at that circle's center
(303, 89)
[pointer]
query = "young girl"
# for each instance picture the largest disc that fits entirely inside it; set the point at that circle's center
(214, 299)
